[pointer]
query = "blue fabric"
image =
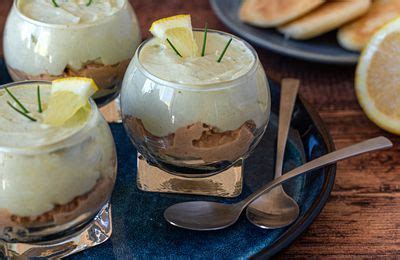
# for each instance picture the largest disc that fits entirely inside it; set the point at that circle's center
(140, 231)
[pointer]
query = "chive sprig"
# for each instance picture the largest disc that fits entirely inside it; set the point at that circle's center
(203, 49)
(40, 110)
(17, 101)
(223, 52)
(173, 47)
(21, 112)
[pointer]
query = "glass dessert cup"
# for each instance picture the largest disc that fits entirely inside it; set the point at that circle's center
(100, 49)
(194, 130)
(54, 192)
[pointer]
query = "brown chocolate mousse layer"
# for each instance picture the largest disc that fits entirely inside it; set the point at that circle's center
(105, 76)
(61, 214)
(197, 141)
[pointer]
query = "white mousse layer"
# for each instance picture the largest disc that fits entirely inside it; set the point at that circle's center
(162, 61)
(18, 131)
(69, 12)
(35, 179)
(164, 109)
(42, 39)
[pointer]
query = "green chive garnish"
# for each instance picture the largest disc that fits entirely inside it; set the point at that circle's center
(173, 47)
(203, 50)
(17, 101)
(223, 52)
(21, 112)
(39, 99)
(89, 3)
(55, 3)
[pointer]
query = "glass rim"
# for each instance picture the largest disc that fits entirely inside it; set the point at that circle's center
(65, 26)
(226, 84)
(79, 134)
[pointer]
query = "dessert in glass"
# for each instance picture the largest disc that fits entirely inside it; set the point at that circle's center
(45, 40)
(54, 180)
(194, 116)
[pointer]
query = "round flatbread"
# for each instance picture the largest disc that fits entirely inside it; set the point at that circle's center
(355, 35)
(325, 18)
(271, 13)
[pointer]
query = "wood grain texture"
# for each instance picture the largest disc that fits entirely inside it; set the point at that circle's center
(362, 217)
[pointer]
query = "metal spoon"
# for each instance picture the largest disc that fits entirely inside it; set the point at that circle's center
(276, 209)
(207, 215)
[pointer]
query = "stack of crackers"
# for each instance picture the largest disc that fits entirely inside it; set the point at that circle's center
(356, 20)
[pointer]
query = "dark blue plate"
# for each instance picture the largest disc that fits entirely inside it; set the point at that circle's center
(320, 49)
(139, 230)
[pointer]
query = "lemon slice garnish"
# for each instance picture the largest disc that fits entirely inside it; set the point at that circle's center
(68, 97)
(378, 77)
(178, 30)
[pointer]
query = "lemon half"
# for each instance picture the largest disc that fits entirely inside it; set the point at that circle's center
(178, 30)
(378, 78)
(68, 96)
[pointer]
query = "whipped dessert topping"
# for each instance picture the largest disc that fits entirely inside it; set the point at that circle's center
(36, 180)
(69, 37)
(198, 98)
(18, 131)
(69, 12)
(161, 61)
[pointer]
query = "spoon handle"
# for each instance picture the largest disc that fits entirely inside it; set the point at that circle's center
(289, 90)
(369, 145)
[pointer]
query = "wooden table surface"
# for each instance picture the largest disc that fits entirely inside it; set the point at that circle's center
(362, 216)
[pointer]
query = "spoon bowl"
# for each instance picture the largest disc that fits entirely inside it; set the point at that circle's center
(201, 215)
(276, 210)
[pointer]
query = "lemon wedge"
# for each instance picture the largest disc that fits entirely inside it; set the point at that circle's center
(178, 30)
(378, 78)
(69, 97)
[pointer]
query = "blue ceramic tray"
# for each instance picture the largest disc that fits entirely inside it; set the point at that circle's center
(139, 230)
(321, 49)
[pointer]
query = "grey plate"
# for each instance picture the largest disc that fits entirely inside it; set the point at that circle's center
(323, 49)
